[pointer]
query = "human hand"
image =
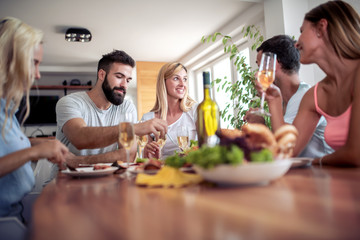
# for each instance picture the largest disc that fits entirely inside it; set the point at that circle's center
(272, 93)
(152, 150)
(53, 150)
(253, 118)
(156, 126)
(71, 160)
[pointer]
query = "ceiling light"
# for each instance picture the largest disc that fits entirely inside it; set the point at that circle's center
(78, 35)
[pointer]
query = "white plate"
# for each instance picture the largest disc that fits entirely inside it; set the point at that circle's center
(251, 173)
(300, 162)
(89, 172)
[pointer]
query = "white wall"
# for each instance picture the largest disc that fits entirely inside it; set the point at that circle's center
(286, 17)
(205, 53)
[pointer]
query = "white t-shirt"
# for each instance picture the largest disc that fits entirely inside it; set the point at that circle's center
(187, 119)
(317, 147)
(80, 105)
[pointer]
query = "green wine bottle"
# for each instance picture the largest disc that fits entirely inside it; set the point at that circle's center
(208, 117)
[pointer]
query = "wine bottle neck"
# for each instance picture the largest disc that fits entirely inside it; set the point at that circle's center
(207, 92)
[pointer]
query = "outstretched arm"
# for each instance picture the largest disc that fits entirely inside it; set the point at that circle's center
(305, 121)
(53, 150)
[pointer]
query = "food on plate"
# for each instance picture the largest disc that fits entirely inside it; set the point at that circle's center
(175, 161)
(259, 136)
(209, 157)
(231, 133)
(101, 166)
(264, 155)
(286, 137)
(256, 137)
(148, 164)
(141, 160)
(152, 164)
(167, 177)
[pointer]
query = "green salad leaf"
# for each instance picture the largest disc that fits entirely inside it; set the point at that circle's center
(141, 160)
(175, 161)
(209, 157)
(193, 143)
(264, 155)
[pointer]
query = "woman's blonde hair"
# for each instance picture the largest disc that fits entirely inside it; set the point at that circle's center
(17, 45)
(161, 104)
(343, 27)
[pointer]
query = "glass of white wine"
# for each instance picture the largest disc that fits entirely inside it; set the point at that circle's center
(183, 138)
(142, 141)
(127, 135)
(161, 142)
(265, 76)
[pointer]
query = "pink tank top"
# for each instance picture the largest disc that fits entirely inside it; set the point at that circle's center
(337, 128)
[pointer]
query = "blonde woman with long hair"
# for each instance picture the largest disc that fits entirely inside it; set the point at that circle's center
(330, 38)
(174, 105)
(20, 54)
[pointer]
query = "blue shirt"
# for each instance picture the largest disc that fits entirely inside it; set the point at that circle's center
(15, 185)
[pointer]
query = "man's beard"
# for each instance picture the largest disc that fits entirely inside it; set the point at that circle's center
(110, 94)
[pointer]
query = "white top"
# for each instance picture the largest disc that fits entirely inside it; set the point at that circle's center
(187, 119)
(317, 146)
(80, 105)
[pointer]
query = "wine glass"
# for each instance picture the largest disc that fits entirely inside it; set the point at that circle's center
(142, 140)
(161, 142)
(126, 135)
(265, 76)
(183, 138)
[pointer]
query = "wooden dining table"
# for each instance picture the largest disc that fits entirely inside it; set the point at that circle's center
(306, 203)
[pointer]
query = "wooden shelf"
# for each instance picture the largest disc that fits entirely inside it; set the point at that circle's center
(56, 87)
(62, 87)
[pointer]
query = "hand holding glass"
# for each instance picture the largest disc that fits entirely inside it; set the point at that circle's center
(266, 76)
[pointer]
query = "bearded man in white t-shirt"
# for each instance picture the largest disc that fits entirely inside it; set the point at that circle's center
(87, 122)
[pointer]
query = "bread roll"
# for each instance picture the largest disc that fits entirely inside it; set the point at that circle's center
(286, 137)
(285, 129)
(259, 136)
(231, 133)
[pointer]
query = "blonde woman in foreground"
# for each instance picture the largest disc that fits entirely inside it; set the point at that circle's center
(21, 53)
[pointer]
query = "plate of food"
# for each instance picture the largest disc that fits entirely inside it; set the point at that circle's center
(253, 155)
(300, 162)
(97, 170)
(148, 166)
(245, 174)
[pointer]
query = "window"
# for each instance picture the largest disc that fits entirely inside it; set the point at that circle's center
(224, 69)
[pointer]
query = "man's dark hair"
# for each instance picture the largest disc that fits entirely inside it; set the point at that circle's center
(115, 56)
(287, 54)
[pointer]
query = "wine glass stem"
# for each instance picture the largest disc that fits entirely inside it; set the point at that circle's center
(127, 157)
(262, 101)
(141, 152)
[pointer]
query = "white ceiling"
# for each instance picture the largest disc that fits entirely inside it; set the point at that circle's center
(149, 30)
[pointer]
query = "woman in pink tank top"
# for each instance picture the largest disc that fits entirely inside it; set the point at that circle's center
(330, 38)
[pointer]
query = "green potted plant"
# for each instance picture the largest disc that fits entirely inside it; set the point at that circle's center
(242, 92)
